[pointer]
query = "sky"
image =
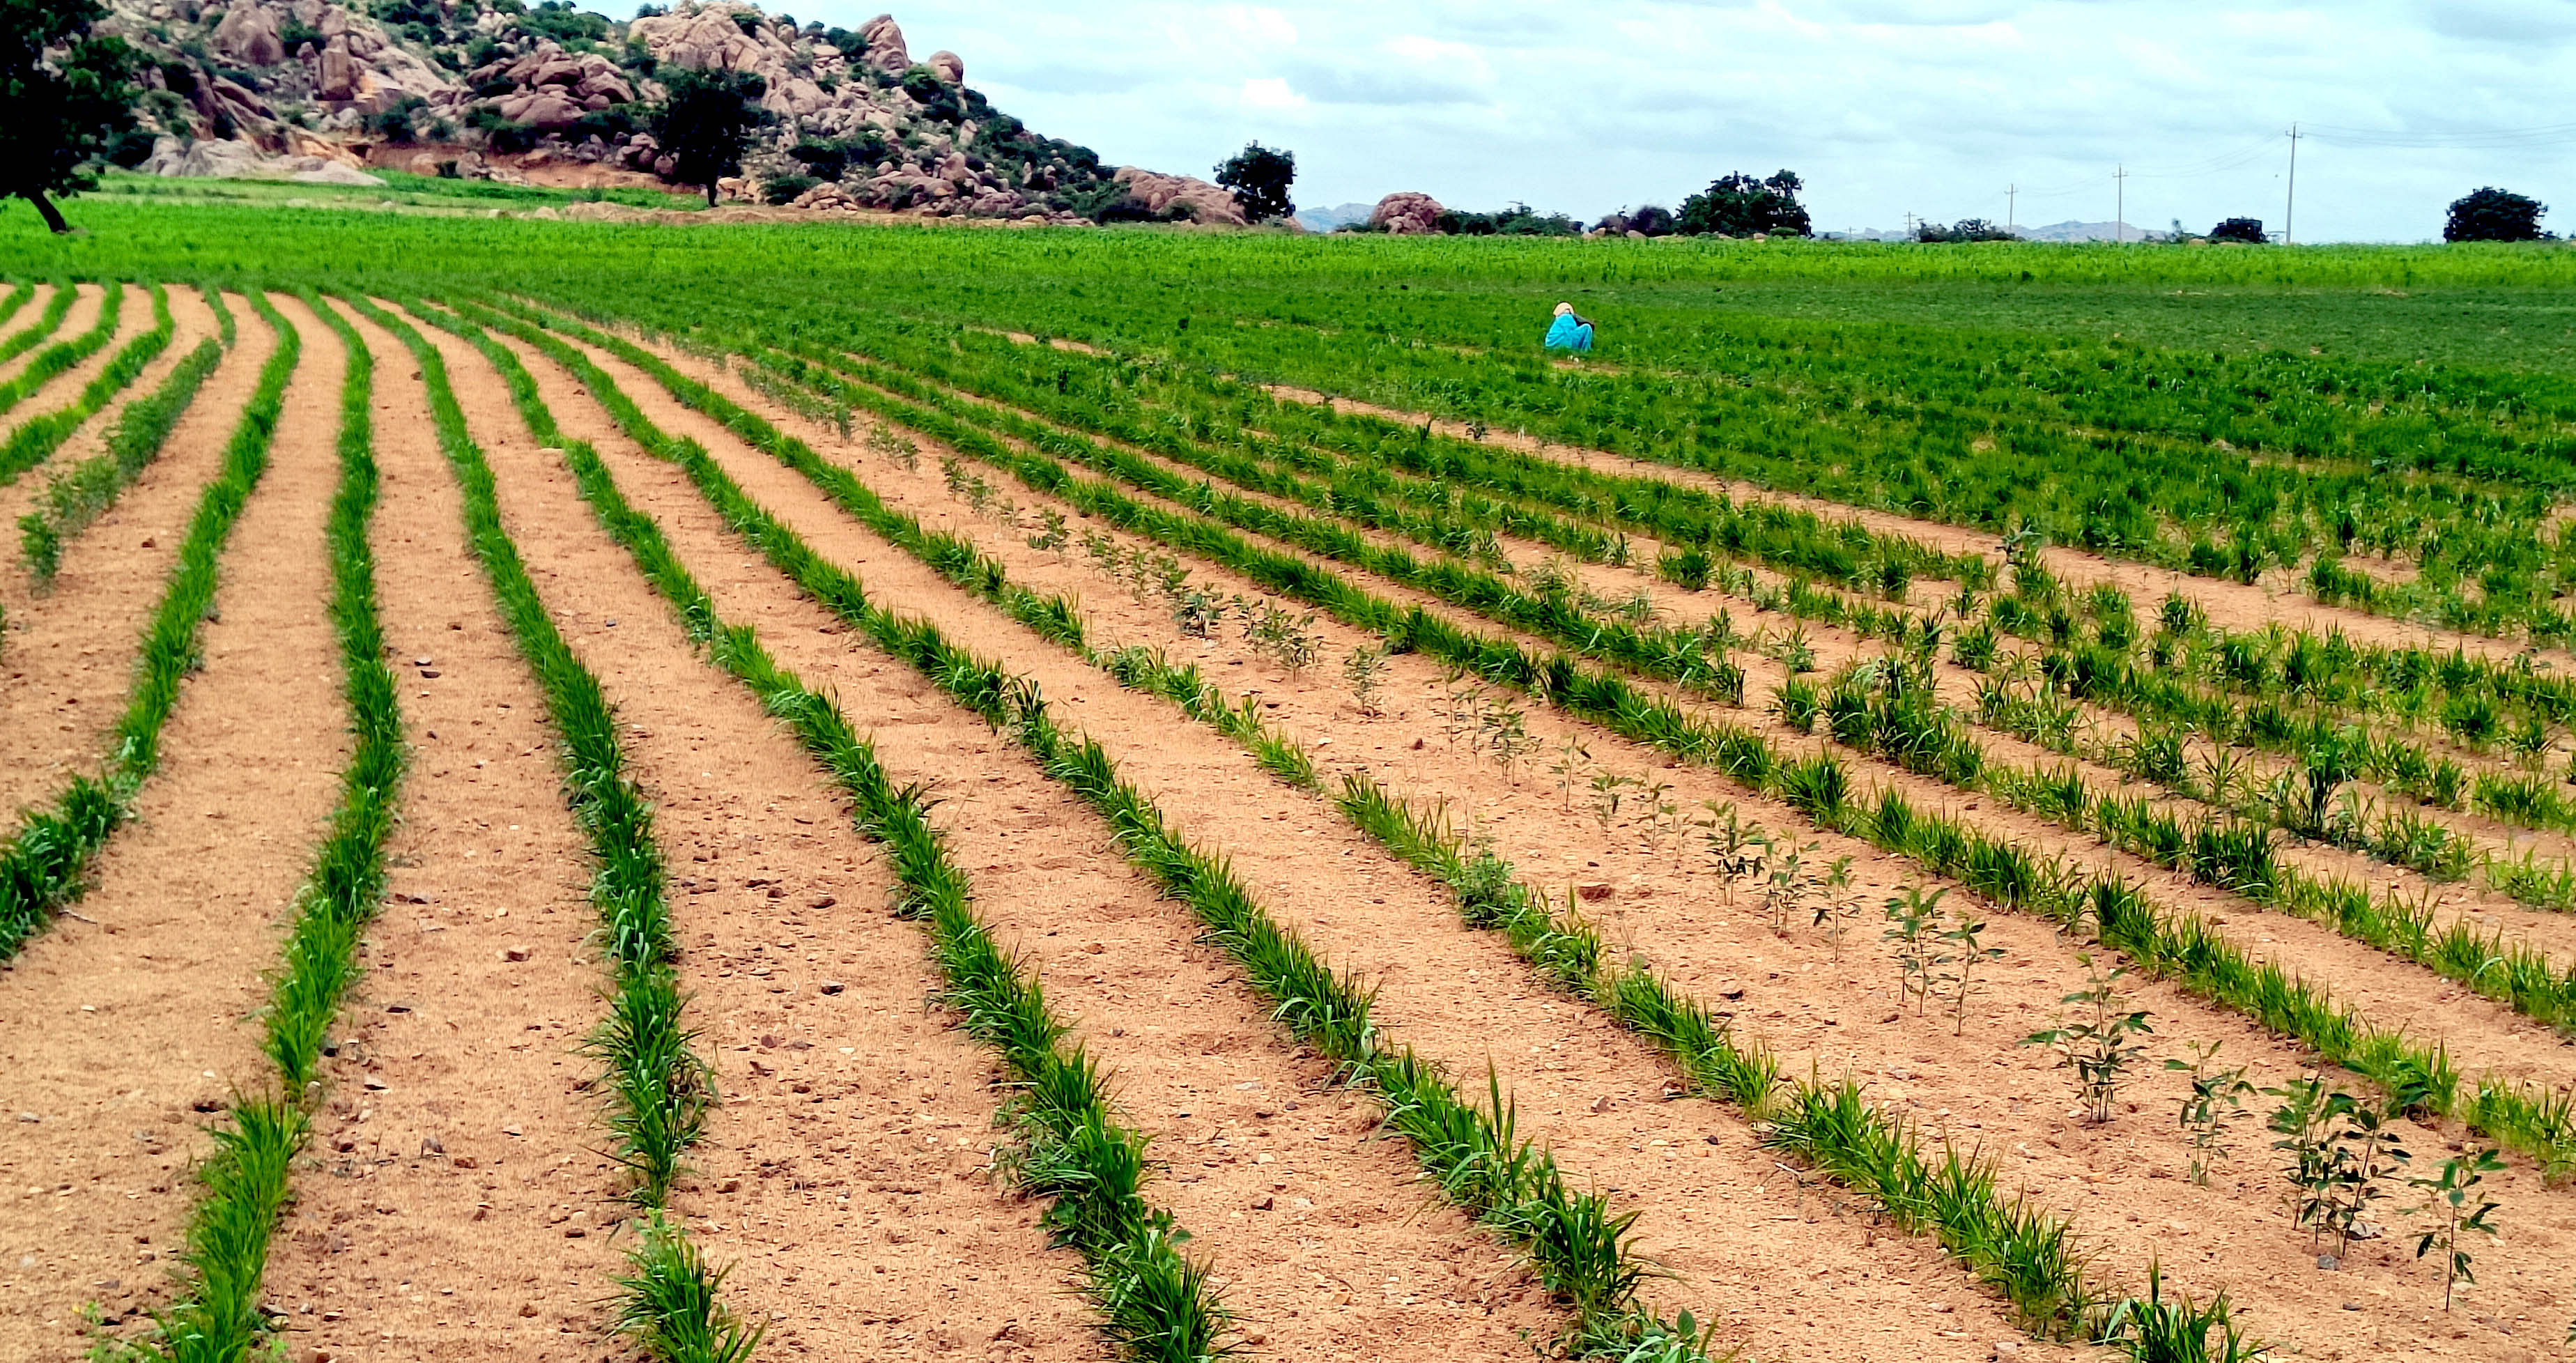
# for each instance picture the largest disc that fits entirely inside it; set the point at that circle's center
(1933, 108)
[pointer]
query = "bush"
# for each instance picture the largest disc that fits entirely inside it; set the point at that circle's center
(1968, 229)
(1739, 205)
(1649, 220)
(1260, 177)
(2492, 214)
(1519, 220)
(2240, 229)
(784, 188)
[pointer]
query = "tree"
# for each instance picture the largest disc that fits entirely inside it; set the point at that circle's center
(2240, 229)
(2492, 214)
(1259, 177)
(66, 95)
(1968, 229)
(705, 121)
(1739, 205)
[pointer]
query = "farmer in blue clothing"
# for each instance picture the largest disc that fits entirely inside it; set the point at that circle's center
(1569, 332)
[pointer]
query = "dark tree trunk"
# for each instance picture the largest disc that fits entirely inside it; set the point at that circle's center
(711, 193)
(53, 216)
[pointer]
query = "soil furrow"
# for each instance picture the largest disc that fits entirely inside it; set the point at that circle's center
(29, 312)
(2232, 605)
(1596, 1094)
(458, 1148)
(925, 1258)
(1325, 1248)
(191, 321)
(71, 652)
(133, 318)
(126, 1025)
(2484, 1036)
(88, 300)
(2125, 1182)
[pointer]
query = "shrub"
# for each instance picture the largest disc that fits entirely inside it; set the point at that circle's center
(2492, 214)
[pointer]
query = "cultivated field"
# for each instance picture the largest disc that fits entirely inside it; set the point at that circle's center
(710, 793)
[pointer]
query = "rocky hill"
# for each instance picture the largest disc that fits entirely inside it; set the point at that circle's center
(315, 89)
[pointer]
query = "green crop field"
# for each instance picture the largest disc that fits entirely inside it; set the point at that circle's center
(742, 789)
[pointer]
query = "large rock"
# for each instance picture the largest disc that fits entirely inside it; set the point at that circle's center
(885, 49)
(204, 160)
(334, 173)
(248, 35)
(335, 75)
(545, 107)
(1407, 214)
(948, 66)
(1200, 201)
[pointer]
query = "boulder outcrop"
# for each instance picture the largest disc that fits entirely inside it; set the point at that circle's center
(1406, 214)
(1180, 197)
(489, 87)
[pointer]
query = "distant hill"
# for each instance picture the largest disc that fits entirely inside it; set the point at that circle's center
(547, 92)
(2069, 230)
(1327, 219)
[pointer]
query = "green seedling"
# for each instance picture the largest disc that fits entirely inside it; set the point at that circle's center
(1913, 921)
(2216, 1103)
(2446, 1199)
(2100, 1044)
(1962, 975)
(1365, 669)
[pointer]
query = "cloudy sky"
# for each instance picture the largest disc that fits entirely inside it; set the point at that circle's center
(1886, 107)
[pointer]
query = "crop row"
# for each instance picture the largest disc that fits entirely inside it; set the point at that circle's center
(42, 865)
(218, 1314)
(74, 498)
(659, 1089)
(2403, 838)
(2023, 1255)
(1923, 737)
(54, 359)
(1576, 1246)
(35, 441)
(2180, 946)
(46, 324)
(2221, 466)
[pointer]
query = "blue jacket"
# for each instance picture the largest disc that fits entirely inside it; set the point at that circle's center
(1568, 333)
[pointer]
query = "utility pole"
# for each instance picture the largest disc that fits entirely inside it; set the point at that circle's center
(2120, 205)
(1909, 227)
(2290, 211)
(2009, 221)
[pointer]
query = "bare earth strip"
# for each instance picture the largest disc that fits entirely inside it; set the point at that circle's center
(456, 1197)
(88, 300)
(28, 312)
(864, 1222)
(133, 318)
(2229, 604)
(191, 321)
(2125, 1181)
(1593, 1092)
(120, 1034)
(70, 654)
(1326, 1246)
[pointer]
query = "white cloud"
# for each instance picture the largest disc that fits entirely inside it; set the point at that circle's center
(1886, 107)
(1270, 92)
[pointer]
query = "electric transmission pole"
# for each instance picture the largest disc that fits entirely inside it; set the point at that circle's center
(2120, 205)
(2290, 210)
(2010, 222)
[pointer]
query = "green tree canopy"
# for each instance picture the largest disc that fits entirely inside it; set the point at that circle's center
(66, 94)
(1259, 177)
(1739, 205)
(705, 121)
(2493, 214)
(2240, 229)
